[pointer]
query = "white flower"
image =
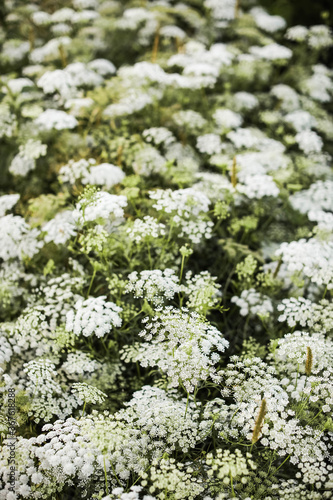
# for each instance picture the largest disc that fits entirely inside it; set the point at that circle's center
(93, 316)
(309, 142)
(155, 286)
(101, 205)
(17, 239)
(55, 119)
(181, 344)
(272, 52)
(226, 118)
(7, 202)
(60, 228)
(209, 144)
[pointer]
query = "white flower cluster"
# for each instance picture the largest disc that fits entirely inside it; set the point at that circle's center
(158, 136)
(267, 22)
(55, 119)
(155, 286)
(311, 258)
(25, 160)
(187, 208)
(101, 205)
(7, 201)
(253, 303)
(182, 345)
(209, 144)
(144, 229)
(60, 228)
(87, 393)
(148, 160)
(93, 316)
(8, 122)
(189, 119)
(317, 198)
(309, 142)
(226, 119)
(292, 350)
(202, 292)
(175, 478)
(317, 37)
(88, 172)
(302, 311)
(18, 239)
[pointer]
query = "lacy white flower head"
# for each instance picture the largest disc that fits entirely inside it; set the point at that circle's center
(18, 239)
(301, 120)
(175, 478)
(75, 170)
(60, 228)
(148, 160)
(7, 202)
(172, 31)
(243, 138)
(288, 97)
(256, 186)
(323, 219)
(50, 50)
(8, 122)
(271, 52)
(58, 81)
(155, 286)
(82, 76)
(209, 144)
(317, 317)
(187, 208)
(183, 345)
(158, 136)
(222, 10)
(267, 22)
(320, 37)
(249, 382)
(309, 142)
(93, 316)
(226, 119)
(145, 229)
(6, 350)
(95, 205)
(162, 415)
(79, 363)
(189, 119)
(224, 465)
(293, 350)
(254, 303)
(25, 160)
(88, 393)
(319, 196)
(311, 258)
(202, 291)
(105, 174)
(55, 119)
(320, 85)
(41, 377)
(245, 101)
(297, 33)
(16, 85)
(103, 67)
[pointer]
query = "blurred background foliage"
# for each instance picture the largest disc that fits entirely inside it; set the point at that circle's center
(305, 12)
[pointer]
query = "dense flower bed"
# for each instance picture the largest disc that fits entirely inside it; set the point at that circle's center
(166, 256)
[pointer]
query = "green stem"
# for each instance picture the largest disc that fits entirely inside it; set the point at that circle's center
(232, 486)
(91, 282)
(84, 407)
(106, 477)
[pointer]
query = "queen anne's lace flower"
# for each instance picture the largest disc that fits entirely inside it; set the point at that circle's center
(155, 286)
(93, 316)
(101, 205)
(183, 345)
